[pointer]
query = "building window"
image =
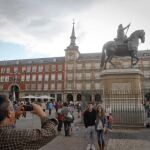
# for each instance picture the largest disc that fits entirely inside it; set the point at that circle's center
(88, 66)
(69, 86)
(39, 87)
(46, 68)
(59, 86)
(147, 73)
(2, 78)
(88, 76)
(27, 77)
(97, 75)
(52, 86)
(1, 87)
(27, 86)
(33, 86)
(79, 76)
(59, 67)
(34, 68)
(2, 70)
(69, 76)
(46, 77)
(146, 64)
(88, 86)
(79, 86)
(70, 66)
(34, 77)
(6, 78)
(23, 69)
(97, 65)
(52, 76)
(40, 77)
(15, 69)
(97, 86)
(28, 68)
(40, 68)
(45, 86)
(7, 70)
(79, 66)
(53, 68)
(59, 76)
(22, 77)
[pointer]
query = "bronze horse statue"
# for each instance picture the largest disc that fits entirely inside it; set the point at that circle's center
(129, 48)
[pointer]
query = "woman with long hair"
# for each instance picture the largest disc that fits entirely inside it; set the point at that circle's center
(100, 125)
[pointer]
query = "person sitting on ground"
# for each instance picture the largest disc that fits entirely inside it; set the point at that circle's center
(23, 139)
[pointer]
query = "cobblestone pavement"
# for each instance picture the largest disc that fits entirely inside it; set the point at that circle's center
(118, 139)
(129, 139)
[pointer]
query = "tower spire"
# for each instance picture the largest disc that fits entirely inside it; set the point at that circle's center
(73, 38)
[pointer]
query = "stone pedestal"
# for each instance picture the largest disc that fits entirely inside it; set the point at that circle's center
(122, 79)
(122, 95)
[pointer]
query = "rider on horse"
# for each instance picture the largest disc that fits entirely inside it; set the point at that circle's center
(121, 37)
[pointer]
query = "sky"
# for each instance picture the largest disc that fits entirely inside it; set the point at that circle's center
(42, 28)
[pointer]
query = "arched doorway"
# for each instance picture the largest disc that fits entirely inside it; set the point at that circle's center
(98, 98)
(147, 96)
(14, 93)
(69, 97)
(78, 97)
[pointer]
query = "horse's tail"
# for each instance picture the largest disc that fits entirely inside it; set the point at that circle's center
(103, 56)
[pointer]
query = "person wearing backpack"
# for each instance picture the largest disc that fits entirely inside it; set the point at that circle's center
(68, 118)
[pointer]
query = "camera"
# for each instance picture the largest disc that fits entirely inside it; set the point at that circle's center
(28, 107)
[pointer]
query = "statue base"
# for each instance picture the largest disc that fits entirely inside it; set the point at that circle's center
(122, 95)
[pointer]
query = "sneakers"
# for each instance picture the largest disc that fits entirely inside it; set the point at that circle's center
(88, 147)
(91, 147)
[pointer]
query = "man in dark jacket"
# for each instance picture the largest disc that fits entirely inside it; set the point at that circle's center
(89, 122)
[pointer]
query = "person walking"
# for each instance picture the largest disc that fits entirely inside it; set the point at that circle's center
(100, 125)
(68, 118)
(60, 119)
(50, 107)
(89, 118)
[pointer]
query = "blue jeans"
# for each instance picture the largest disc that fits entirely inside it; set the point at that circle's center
(100, 137)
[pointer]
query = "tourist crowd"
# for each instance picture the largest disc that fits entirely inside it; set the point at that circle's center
(97, 122)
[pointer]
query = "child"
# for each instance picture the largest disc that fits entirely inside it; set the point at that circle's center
(60, 118)
(110, 120)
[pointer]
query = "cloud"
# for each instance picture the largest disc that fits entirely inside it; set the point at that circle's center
(39, 24)
(43, 27)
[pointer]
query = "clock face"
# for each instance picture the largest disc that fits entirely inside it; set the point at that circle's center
(70, 55)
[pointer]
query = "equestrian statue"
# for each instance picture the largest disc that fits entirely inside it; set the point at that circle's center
(122, 46)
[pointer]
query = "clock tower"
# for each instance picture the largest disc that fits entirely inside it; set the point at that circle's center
(72, 52)
(71, 57)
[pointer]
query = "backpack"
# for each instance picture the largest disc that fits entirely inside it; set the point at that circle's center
(69, 117)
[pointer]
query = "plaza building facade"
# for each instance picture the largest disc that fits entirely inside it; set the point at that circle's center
(64, 78)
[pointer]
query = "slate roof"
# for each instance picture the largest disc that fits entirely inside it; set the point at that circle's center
(51, 60)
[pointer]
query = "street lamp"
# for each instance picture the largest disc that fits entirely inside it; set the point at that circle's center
(14, 82)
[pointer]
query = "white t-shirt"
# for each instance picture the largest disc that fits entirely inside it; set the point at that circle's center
(43, 105)
(100, 125)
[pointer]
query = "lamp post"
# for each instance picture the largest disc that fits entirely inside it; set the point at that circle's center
(13, 90)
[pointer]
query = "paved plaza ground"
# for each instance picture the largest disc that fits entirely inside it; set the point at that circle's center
(118, 139)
